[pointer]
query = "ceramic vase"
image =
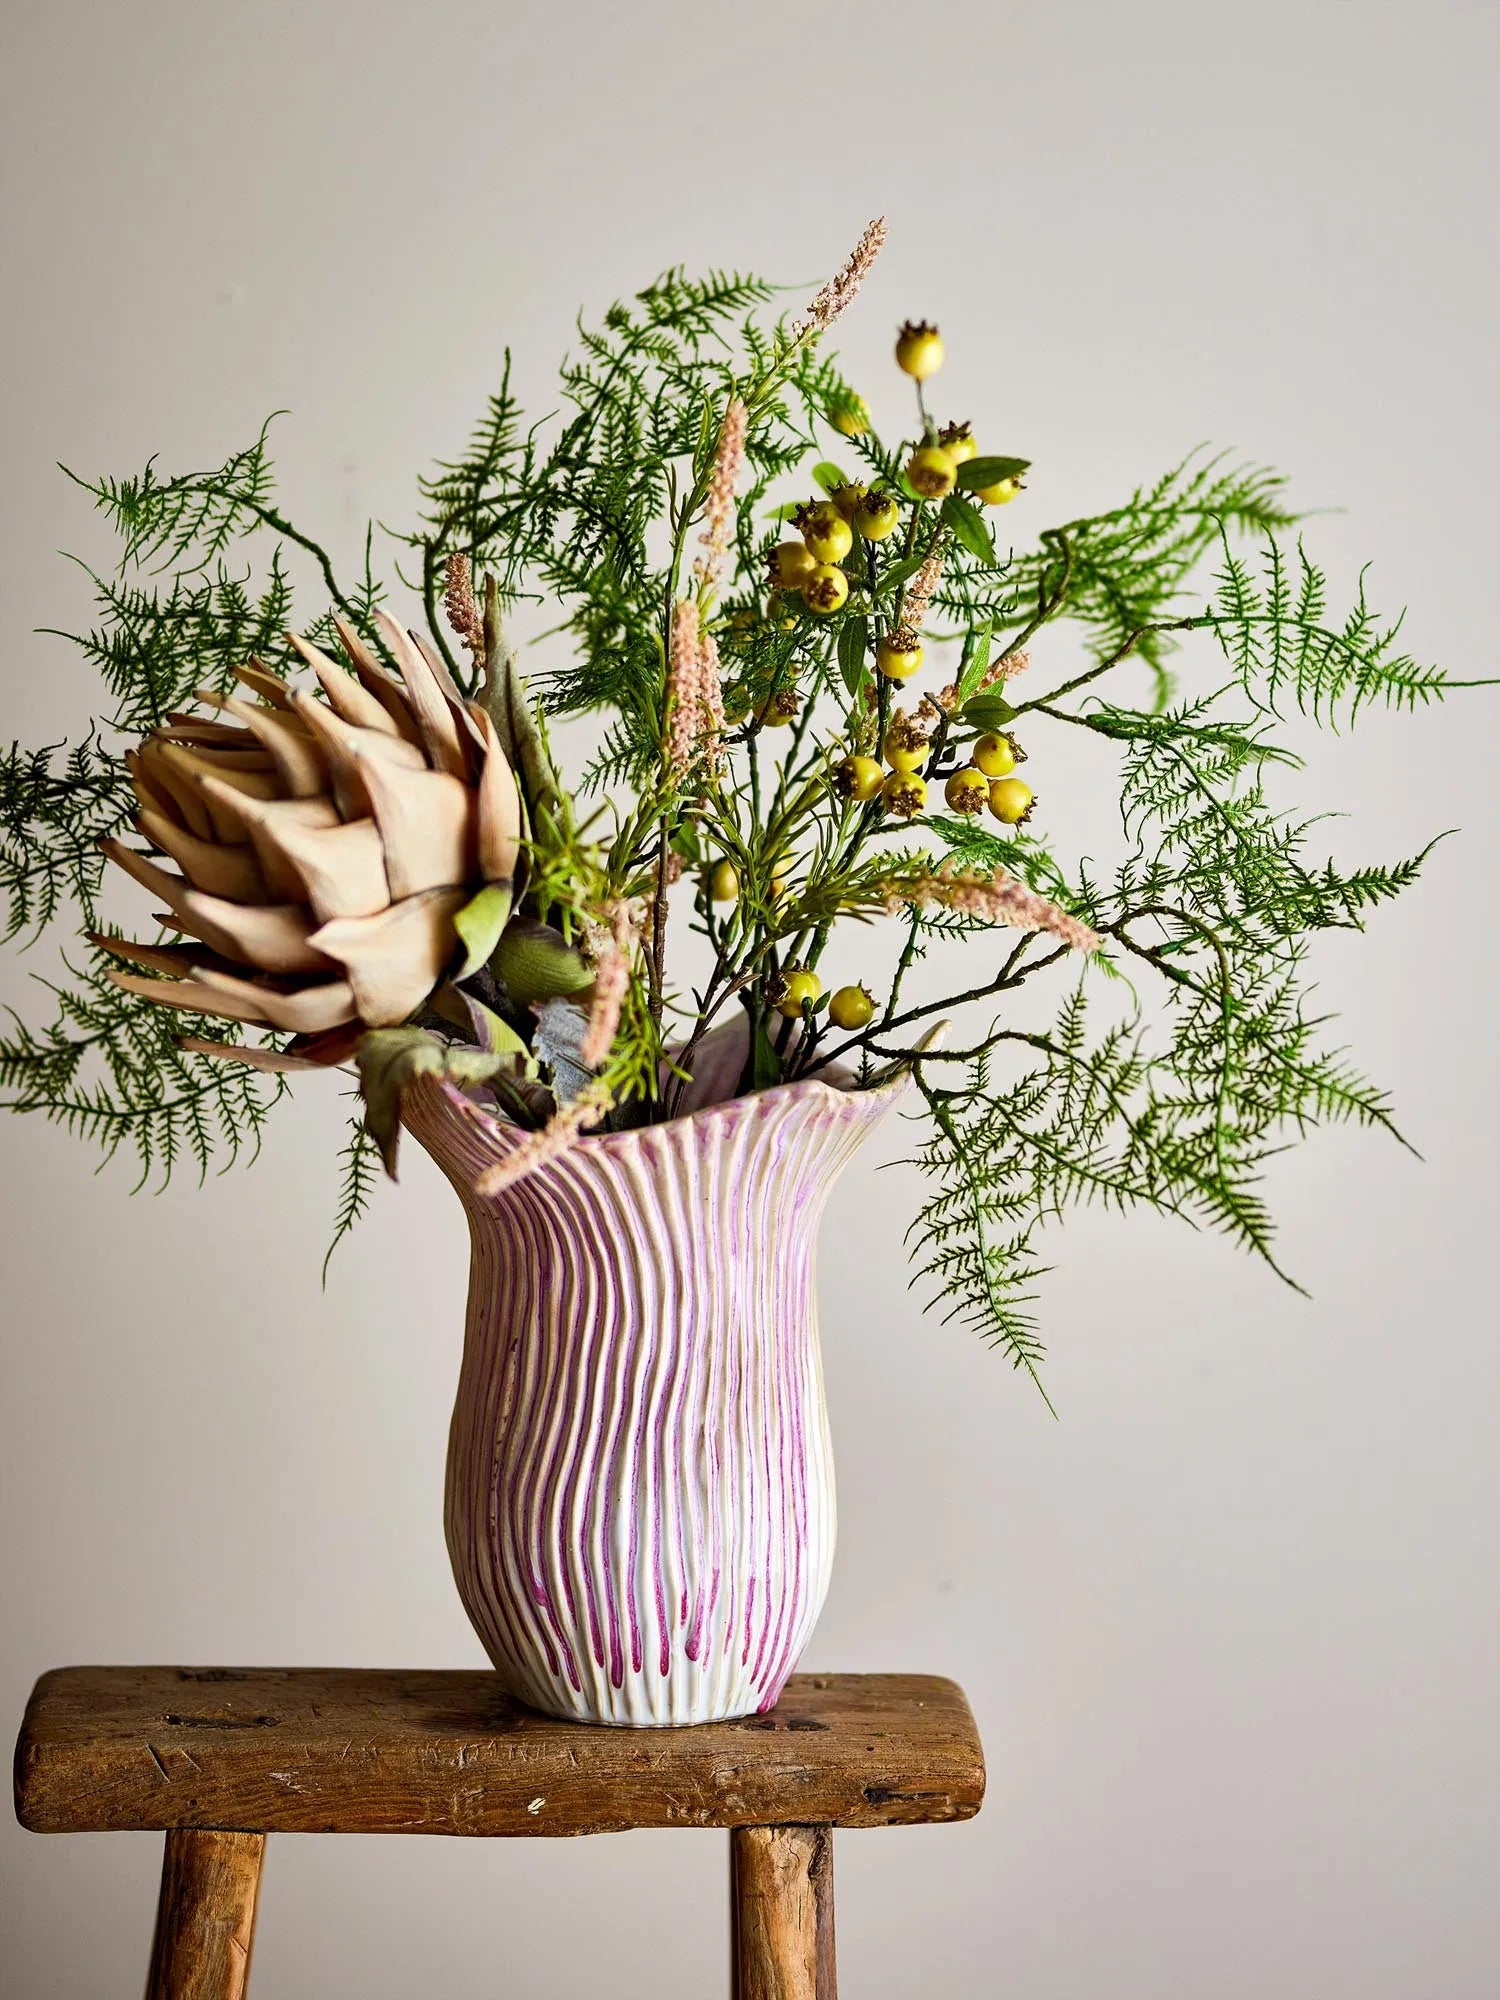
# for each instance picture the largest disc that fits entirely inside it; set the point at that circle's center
(640, 1502)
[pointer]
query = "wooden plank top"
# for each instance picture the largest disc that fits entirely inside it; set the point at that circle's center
(355, 1750)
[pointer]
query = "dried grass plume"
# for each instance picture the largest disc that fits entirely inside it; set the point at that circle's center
(838, 294)
(996, 899)
(539, 1149)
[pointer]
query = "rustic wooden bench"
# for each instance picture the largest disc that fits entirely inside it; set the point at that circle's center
(219, 1757)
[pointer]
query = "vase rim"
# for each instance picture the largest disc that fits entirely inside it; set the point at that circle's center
(857, 1100)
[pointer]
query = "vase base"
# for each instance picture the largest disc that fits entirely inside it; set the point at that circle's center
(637, 1707)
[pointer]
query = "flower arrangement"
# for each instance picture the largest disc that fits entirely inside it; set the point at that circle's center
(823, 687)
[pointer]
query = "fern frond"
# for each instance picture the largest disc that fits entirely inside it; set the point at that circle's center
(359, 1172)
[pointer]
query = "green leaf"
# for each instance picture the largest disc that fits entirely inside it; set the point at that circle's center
(977, 472)
(787, 511)
(829, 476)
(536, 962)
(479, 924)
(988, 711)
(519, 726)
(969, 531)
(765, 1068)
(976, 664)
(500, 1037)
(854, 652)
(898, 573)
(388, 1059)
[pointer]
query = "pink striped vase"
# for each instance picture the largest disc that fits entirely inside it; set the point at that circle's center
(640, 1506)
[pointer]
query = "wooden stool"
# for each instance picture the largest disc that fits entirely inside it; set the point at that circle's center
(218, 1757)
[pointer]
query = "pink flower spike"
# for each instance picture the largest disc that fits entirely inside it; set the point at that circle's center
(718, 509)
(538, 1149)
(838, 294)
(996, 899)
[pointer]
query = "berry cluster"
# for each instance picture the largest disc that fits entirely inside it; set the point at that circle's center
(812, 571)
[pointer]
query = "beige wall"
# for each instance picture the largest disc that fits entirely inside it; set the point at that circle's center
(1229, 1626)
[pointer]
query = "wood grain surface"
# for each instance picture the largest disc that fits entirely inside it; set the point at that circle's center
(348, 1750)
(781, 1881)
(205, 1920)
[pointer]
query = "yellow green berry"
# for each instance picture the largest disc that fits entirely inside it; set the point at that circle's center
(791, 564)
(958, 441)
(931, 472)
(919, 349)
(1011, 801)
(780, 708)
(723, 882)
(850, 416)
(905, 794)
(967, 792)
(899, 654)
(827, 589)
(798, 985)
(1000, 492)
(826, 533)
(996, 755)
(904, 750)
(852, 1007)
(877, 515)
(858, 778)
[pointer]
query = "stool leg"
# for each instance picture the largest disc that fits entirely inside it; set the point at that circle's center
(205, 1920)
(781, 1904)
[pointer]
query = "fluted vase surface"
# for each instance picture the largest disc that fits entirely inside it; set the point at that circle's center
(640, 1504)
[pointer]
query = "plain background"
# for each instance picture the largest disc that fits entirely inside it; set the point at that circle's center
(1229, 1626)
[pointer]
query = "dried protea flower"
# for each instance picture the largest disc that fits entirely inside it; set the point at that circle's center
(327, 843)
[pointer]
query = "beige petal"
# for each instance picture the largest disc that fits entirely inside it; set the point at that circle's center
(155, 798)
(207, 735)
(142, 869)
(231, 763)
(499, 806)
(192, 996)
(394, 960)
(221, 787)
(300, 764)
(187, 909)
(423, 818)
(385, 687)
(163, 777)
(308, 1011)
(258, 677)
(249, 1054)
(275, 822)
(273, 937)
(232, 872)
(345, 695)
(173, 961)
(345, 746)
(453, 694)
(342, 868)
(428, 703)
